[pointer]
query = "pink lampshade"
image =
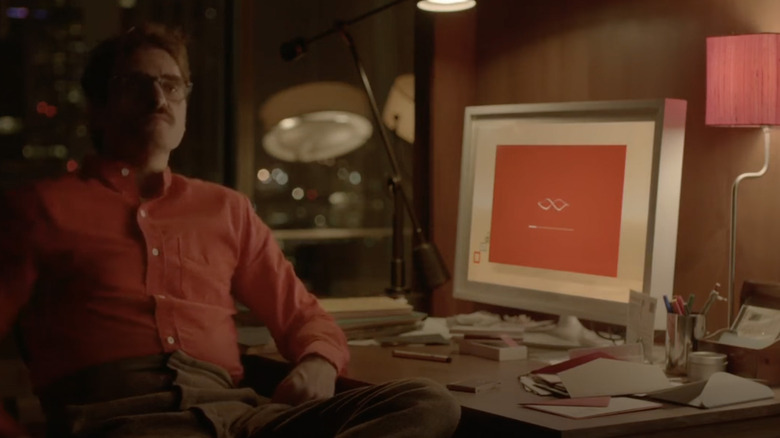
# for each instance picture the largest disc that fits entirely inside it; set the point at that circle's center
(742, 80)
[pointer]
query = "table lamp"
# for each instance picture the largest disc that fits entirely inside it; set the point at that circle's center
(742, 91)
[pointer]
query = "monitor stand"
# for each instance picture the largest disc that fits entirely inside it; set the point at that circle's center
(568, 332)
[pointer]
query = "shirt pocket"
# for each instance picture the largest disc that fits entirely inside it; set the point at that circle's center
(204, 276)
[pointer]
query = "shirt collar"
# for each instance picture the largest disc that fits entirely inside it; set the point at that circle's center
(122, 177)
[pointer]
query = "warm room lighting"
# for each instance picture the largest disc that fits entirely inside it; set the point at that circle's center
(742, 91)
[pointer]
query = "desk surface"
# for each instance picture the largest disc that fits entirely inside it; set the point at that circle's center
(497, 412)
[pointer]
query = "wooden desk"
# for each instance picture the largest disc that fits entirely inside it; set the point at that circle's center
(495, 413)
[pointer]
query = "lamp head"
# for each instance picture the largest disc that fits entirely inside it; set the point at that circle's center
(446, 5)
(293, 49)
(315, 121)
(742, 80)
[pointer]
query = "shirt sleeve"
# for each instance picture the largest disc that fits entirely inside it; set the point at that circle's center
(18, 270)
(266, 283)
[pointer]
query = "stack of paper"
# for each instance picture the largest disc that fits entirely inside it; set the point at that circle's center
(362, 307)
(371, 317)
(595, 376)
(593, 406)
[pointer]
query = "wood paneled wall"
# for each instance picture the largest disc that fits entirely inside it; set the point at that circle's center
(509, 51)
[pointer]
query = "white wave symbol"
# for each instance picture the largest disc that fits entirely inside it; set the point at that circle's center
(557, 204)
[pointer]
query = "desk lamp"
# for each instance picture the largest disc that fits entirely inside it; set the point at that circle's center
(743, 91)
(430, 263)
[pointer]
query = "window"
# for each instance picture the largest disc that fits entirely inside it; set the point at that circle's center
(332, 217)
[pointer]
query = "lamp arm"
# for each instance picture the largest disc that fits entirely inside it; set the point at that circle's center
(396, 176)
(733, 229)
(432, 261)
(296, 48)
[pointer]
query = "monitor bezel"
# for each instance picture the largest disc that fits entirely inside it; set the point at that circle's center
(668, 116)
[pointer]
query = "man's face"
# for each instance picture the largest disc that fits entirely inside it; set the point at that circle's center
(147, 107)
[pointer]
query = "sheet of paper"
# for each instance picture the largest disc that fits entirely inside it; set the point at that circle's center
(641, 322)
(613, 377)
(617, 405)
(758, 323)
(720, 389)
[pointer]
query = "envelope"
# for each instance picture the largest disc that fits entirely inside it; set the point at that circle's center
(613, 377)
(720, 389)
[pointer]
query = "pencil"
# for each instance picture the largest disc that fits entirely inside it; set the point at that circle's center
(421, 356)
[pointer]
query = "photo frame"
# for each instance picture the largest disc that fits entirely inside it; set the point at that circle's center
(565, 208)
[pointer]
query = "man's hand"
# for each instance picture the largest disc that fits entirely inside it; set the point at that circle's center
(314, 378)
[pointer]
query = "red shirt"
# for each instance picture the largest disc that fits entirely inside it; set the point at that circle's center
(95, 274)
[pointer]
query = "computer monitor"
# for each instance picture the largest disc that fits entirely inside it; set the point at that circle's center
(567, 207)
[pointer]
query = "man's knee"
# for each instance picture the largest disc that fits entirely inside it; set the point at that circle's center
(432, 402)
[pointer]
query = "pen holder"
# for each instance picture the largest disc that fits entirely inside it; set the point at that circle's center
(682, 335)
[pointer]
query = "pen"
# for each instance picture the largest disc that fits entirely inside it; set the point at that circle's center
(421, 356)
(710, 299)
(668, 305)
(677, 309)
(689, 304)
(681, 305)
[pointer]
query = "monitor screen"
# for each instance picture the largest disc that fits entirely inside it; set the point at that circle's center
(567, 207)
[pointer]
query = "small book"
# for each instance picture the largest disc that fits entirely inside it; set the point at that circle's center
(494, 350)
(473, 385)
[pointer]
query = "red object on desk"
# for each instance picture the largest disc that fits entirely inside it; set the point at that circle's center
(571, 363)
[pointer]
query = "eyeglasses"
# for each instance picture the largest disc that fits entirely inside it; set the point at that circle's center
(135, 84)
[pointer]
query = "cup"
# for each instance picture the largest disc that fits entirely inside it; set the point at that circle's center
(703, 364)
(682, 335)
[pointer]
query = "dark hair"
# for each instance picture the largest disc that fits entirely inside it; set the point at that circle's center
(104, 57)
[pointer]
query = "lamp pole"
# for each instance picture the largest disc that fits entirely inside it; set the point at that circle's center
(731, 297)
(424, 250)
(430, 263)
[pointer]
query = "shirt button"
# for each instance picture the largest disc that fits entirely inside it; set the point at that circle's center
(155, 252)
(125, 171)
(171, 340)
(142, 212)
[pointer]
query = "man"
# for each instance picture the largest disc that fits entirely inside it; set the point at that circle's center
(122, 279)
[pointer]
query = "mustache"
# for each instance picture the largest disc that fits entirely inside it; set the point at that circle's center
(164, 112)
